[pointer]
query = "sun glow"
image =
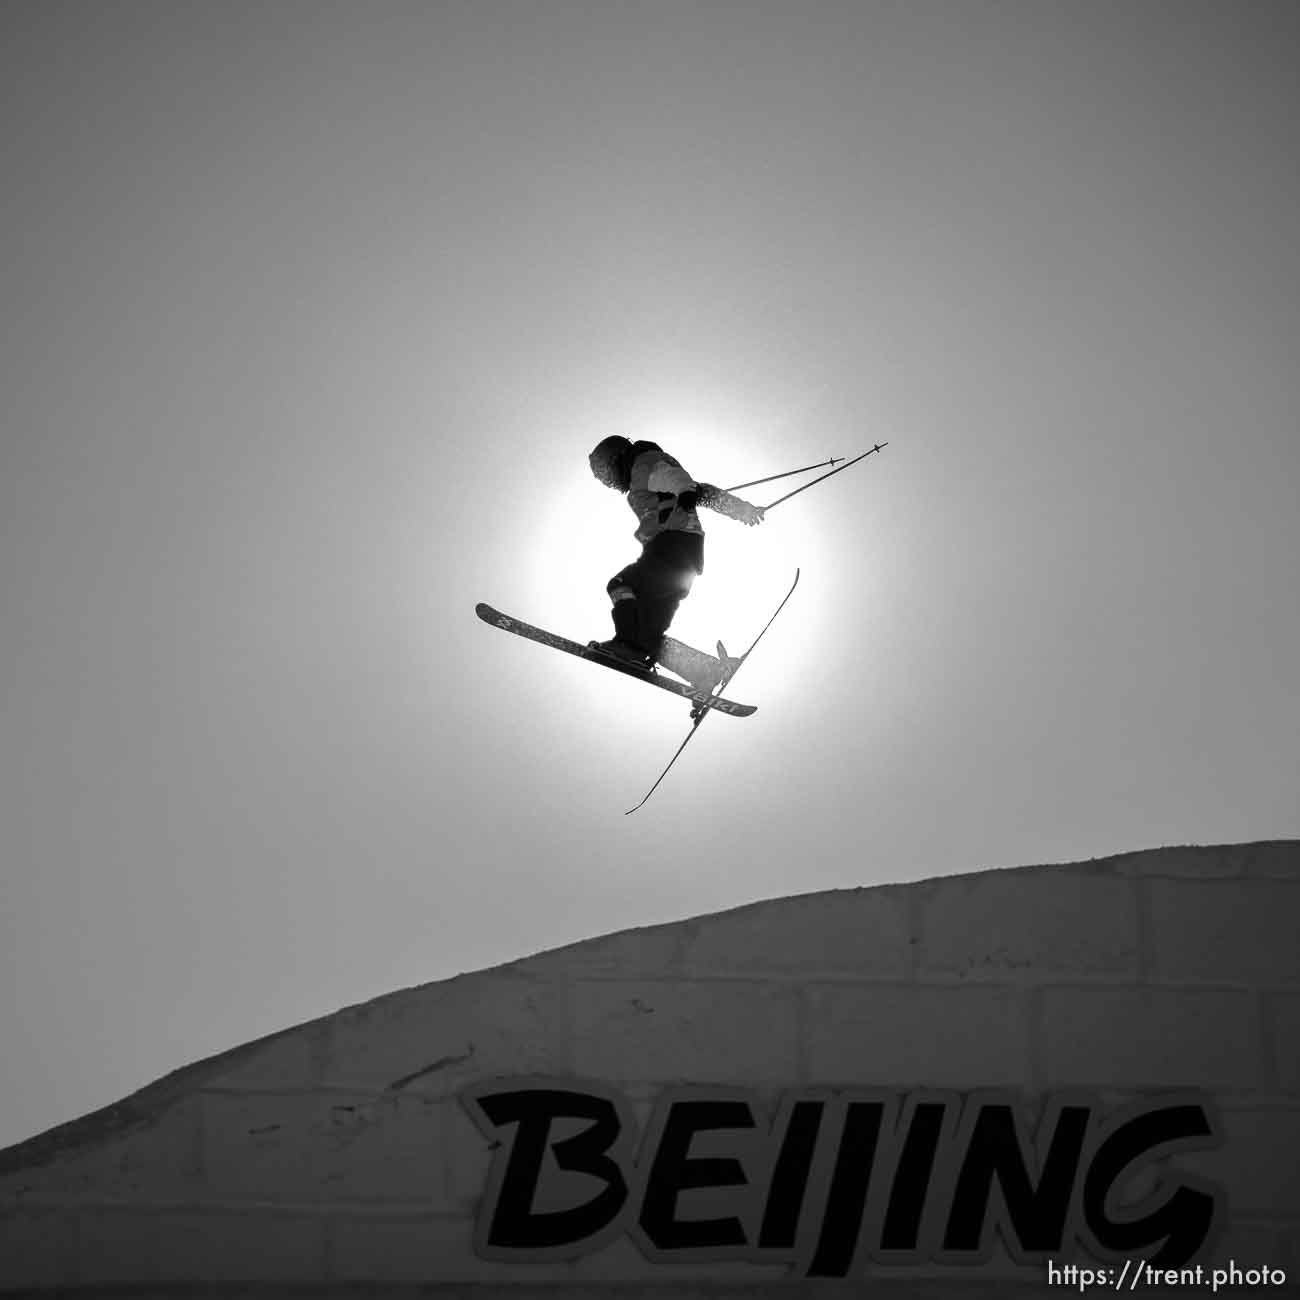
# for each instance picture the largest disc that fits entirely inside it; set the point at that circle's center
(586, 536)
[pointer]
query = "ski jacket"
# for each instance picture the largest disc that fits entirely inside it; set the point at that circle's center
(663, 496)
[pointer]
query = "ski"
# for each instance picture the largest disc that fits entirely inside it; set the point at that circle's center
(701, 700)
(712, 702)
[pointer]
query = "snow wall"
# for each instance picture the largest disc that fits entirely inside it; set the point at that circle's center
(947, 1088)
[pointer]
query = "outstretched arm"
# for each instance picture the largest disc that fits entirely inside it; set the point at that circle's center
(726, 503)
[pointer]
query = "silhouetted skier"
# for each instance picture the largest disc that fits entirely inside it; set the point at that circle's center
(645, 595)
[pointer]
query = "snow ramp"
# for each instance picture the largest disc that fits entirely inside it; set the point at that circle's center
(1038, 1080)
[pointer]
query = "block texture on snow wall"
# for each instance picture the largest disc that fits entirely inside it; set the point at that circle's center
(929, 1085)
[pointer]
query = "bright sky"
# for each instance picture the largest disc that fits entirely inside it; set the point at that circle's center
(312, 314)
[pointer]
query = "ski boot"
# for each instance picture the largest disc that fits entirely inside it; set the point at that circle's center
(624, 653)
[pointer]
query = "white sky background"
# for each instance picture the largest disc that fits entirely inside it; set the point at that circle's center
(311, 315)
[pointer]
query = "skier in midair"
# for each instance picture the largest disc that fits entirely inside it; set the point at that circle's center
(645, 595)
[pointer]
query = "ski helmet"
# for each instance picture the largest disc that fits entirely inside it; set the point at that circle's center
(609, 462)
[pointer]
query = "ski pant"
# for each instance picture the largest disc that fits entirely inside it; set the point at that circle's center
(647, 592)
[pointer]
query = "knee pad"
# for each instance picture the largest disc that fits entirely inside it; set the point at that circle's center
(619, 591)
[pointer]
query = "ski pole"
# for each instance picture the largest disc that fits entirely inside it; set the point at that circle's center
(697, 718)
(819, 478)
(754, 482)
